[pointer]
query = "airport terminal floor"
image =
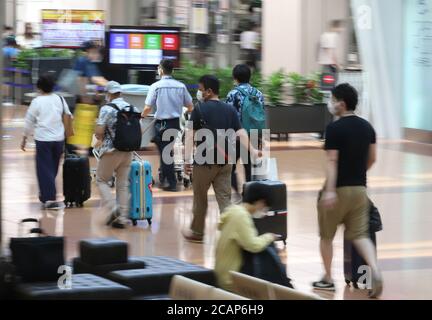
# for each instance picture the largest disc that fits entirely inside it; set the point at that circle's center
(400, 184)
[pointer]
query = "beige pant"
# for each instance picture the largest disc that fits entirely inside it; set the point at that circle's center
(203, 178)
(117, 163)
(352, 210)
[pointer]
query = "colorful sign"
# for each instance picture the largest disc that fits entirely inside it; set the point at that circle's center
(70, 28)
(152, 41)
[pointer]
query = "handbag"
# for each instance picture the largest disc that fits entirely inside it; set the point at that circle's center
(67, 121)
(375, 222)
(266, 265)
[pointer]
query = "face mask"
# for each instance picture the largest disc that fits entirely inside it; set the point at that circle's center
(199, 96)
(260, 213)
(107, 97)
(332, 107)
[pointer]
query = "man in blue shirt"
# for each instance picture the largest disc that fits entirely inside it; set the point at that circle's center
(242, 76)
(169, 96)
(87, 69)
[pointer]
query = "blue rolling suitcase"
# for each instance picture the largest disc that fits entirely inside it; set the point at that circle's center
(141, 182)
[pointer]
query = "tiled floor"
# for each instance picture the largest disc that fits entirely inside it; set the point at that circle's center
(400, 185)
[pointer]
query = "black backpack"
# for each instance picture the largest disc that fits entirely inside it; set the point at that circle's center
(127, 129)
(266, 265)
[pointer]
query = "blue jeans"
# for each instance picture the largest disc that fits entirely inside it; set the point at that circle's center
(48, 156)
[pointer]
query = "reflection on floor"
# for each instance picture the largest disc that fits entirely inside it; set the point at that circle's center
(400, 185)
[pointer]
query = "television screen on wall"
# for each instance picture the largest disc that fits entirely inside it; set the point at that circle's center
(143, 47)
(70, 28)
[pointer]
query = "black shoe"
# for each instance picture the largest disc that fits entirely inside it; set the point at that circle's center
(324, 285)
(113, 216)
(170, 189)
(119, 223)
(377, 288)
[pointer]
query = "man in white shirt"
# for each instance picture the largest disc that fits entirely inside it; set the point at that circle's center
(329, 46)
(249, 41)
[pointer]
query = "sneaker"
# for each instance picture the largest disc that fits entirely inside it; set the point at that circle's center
(54, 205)
(190, 236)
(377, 288)
(324, 285)
(119, 223)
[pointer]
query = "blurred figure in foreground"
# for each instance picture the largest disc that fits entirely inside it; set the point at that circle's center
(87, 69)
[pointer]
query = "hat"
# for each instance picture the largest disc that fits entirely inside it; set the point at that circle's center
(113, 87)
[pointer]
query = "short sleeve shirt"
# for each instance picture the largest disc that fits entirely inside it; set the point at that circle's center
(168, 96)
(352, 137)
(108, 118)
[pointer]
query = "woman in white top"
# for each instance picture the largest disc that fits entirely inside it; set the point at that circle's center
(45, 118)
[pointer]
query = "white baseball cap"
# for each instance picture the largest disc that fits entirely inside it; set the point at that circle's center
(113, 87)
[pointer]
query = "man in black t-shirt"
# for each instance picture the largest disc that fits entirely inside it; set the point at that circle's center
(216, 125)
(351, 151)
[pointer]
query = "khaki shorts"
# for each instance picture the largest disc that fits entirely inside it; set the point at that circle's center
(351, 210)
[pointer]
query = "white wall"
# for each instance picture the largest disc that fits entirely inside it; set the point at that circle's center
(291, 32)
(281, 35)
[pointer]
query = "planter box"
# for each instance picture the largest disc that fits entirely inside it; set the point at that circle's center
(298, 118)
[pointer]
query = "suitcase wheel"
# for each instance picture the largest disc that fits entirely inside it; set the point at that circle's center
(186, 183)
(134, 222)
(149, 221)
(112, 182)
(179, 177)
(347, 282)
(355, 285)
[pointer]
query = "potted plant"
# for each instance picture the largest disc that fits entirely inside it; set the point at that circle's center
(306, 114)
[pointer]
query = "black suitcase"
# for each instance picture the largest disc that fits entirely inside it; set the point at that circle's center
(276, 219)
(76, 180)
(352, 259)
(36, 257)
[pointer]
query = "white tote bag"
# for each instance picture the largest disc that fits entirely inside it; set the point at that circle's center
(265, 170)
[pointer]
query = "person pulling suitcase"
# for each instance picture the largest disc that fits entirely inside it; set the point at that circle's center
(119, 132)
(351, 151)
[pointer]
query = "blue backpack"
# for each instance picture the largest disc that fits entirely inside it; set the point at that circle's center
(253, 112)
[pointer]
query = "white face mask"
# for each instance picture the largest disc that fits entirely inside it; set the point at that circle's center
(107, 97)
(332, 107)
(199, 96)
(260, 213)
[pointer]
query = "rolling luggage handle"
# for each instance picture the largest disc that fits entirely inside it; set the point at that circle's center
(37, 230)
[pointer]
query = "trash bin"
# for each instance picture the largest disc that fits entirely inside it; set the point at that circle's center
(149, 132)
(136, 94)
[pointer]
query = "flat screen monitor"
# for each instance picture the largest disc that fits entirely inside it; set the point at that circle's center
(70, 28)
(143, 47)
